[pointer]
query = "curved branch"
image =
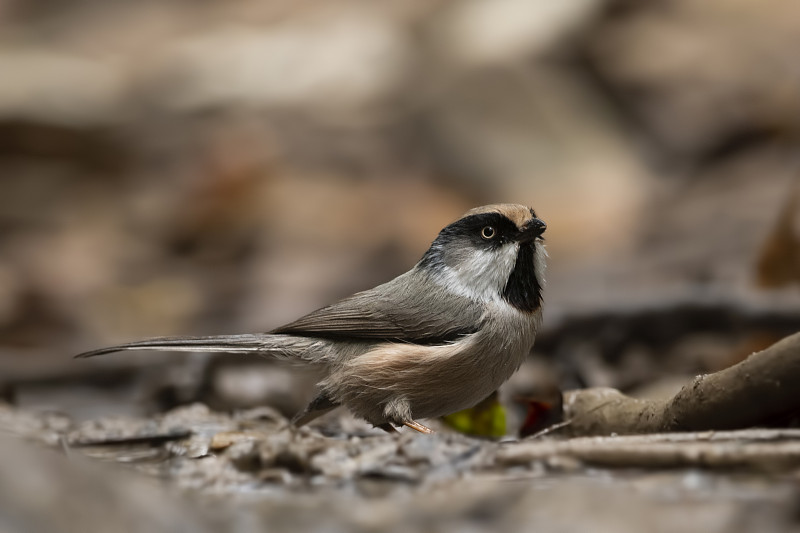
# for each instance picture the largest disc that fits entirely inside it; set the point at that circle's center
(763, 387)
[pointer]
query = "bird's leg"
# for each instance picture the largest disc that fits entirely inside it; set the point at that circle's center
(398, 410)
(416, 426)
(318, 407)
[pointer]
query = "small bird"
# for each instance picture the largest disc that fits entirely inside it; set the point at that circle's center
(433, 341)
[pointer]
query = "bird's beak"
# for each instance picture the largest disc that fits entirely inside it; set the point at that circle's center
(533, 229)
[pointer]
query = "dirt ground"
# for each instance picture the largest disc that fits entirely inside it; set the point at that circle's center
(195, 470)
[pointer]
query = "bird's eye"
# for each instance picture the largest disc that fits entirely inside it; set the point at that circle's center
(488, 233)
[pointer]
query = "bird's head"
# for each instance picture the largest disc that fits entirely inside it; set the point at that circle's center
(494, 252)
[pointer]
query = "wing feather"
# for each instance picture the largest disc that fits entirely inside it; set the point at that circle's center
(426, 315)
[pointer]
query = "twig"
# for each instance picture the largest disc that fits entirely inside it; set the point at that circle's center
(754, 392)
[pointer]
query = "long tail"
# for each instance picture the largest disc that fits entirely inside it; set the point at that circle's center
(251, 343)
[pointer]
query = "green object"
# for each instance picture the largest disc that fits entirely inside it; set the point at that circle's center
(487, 419)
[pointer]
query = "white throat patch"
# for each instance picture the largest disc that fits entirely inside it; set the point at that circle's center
(484, 275)
(540, 261)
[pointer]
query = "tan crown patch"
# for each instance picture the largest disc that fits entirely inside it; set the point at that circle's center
(518, 214)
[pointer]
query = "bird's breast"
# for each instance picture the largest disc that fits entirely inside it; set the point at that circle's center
(440, 379)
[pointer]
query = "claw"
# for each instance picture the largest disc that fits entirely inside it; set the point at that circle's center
(416, 426)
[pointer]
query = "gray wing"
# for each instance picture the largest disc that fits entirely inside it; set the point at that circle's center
(426, 315)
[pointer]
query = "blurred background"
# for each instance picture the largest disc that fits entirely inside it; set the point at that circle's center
(172, 167)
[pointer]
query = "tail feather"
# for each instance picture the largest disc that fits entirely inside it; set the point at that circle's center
(250, 343)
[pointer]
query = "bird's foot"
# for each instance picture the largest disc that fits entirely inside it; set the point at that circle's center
(416, 426)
